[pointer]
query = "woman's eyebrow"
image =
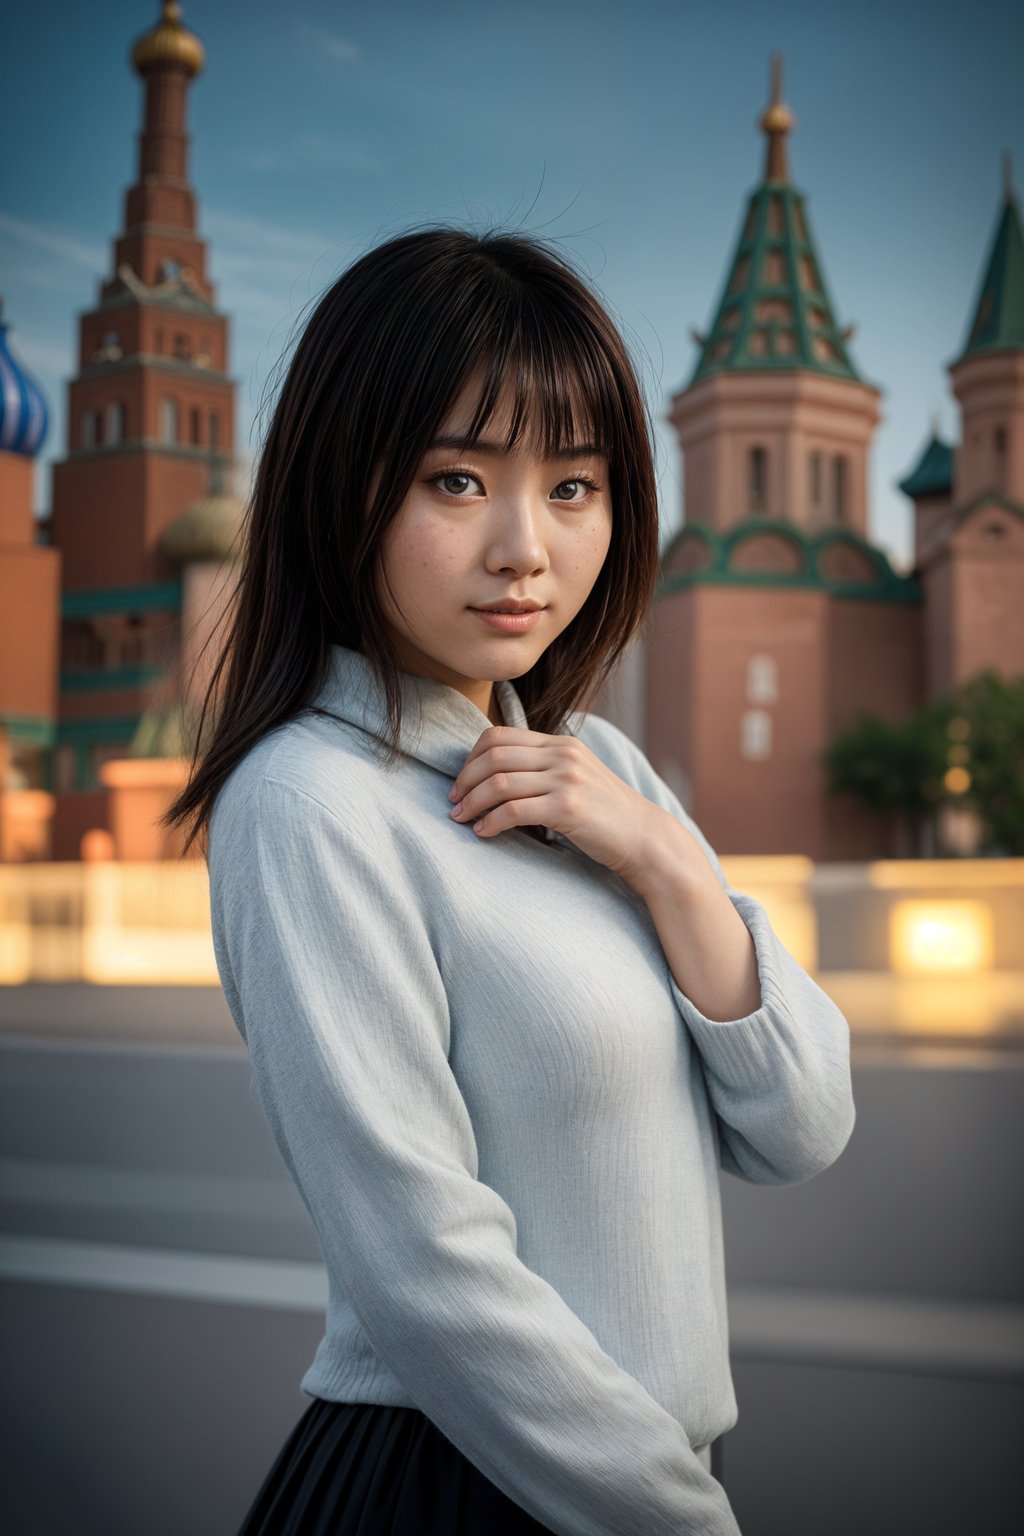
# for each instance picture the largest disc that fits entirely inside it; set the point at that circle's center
(478, 445)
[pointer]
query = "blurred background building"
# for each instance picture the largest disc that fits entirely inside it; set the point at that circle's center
(778, 620)
(144, 523)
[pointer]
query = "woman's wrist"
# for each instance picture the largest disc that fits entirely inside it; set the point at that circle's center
(669, 861)
(710, 950)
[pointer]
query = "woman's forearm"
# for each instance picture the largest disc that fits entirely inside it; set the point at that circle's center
(707, 944)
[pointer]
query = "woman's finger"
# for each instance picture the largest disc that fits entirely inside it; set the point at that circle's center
(523, 811)
(505, 757)
(498, 788)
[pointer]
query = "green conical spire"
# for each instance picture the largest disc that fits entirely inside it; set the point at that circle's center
(775, 312)
(998, 320)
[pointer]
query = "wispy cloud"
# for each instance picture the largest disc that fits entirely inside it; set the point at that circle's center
(244, 247)
(59, 242)
(264, 272)
(330, 43)
(313, 153)
(261, 238)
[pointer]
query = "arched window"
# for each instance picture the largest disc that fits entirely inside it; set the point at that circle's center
(840, 489)
(999, 457)
(757, 473)
(755, 734)
(168, 420)
(815, 468)
(90, 428)
(762, 680)
(65, 768)
(158, 339)
(115, 422)
(194, 424)
(213, 430)
(182, 347)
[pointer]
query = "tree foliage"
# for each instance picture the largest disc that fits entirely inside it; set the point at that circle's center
(964, 749)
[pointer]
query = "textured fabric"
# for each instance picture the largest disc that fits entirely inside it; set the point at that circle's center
(504, 1115)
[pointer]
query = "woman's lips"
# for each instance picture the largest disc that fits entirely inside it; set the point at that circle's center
(509, 623)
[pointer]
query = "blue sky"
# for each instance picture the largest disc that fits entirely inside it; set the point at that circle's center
(625, 131)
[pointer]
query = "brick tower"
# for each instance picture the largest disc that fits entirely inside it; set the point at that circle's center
(969, 502)
(151, 413)
(776, 621)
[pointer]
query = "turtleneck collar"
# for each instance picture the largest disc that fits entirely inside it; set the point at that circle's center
(440, 726)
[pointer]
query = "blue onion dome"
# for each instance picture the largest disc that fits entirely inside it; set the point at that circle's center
(23, 414)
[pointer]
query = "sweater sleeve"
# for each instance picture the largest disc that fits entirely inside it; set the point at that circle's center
(344, 1012)
(779, 1079)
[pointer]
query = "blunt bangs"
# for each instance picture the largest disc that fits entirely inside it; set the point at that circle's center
(561, 384)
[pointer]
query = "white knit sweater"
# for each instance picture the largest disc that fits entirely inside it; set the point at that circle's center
(504, 1116)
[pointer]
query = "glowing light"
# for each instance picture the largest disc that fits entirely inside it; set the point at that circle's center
(956, 780)
(930, 936)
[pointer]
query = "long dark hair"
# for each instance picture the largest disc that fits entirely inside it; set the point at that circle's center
(384, 355)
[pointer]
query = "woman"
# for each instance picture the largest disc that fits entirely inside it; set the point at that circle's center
(506, 1017)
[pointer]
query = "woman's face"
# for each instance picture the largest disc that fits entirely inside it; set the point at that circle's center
(481, 527)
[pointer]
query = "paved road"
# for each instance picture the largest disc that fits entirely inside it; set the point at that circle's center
(163, 1291)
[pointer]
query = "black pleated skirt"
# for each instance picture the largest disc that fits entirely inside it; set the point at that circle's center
(368, 1469)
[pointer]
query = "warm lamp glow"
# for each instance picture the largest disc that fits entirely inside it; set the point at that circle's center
(932, 936)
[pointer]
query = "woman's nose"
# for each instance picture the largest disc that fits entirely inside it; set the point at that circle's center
(518, 542)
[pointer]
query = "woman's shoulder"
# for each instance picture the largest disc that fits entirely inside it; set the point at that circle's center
(290, 767)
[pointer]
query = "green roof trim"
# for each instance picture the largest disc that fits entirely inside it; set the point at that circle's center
(997, 323)
(987, 499)
(887, 584)
(932, 475)
(109, 679)
(152, 598)
(114, 728)
(32, 730)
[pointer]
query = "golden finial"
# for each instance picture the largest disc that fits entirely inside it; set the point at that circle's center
(776, 121)
(169, 42)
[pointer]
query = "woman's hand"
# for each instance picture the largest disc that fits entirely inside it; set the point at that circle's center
(516, 778)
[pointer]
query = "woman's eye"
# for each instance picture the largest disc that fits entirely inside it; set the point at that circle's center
(451, 474)
(587, 483)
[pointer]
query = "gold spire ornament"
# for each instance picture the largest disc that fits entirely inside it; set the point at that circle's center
(776, 121)
(169, 43)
